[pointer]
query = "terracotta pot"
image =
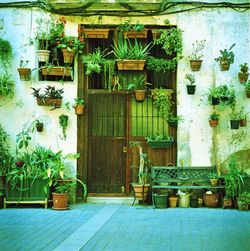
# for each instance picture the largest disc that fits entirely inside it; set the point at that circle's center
(224, 65)
(141, 191)
(136, 34)
(243, 122)
(211, 200)
(213, 123)
(243, 77)
(96, 33)
(56, 102)
(79, 109)
(132, 65)
(43, 55)
(24, 73)
(68, 56)
(173, 201)
(60, 201)
(195, 65)
(140, 95)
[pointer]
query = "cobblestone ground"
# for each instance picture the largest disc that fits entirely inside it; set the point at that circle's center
(122, 227)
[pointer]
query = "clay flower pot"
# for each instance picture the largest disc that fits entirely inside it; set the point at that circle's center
(195, 65)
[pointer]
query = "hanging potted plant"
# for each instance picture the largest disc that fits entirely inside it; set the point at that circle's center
(133, 30)
(24, 72)
(130, 57)
(79, 106)
(42, 36)
(138, 84)
(243, 117)
(173, 120)
(214, 119)
(39, 125)
(234, 120)
(158, 140)
(243, 74)
(191, 87)
(141, 187)
(195, 61)
(226, 58)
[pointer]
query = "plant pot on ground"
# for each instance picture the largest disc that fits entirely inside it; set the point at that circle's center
(172, 200)
(210, 199)
(226, 58)
(141, 187)
(191, 87)
(243, 201)
(61, 196)
(160, 200)
(243, 74)
(184, 200)
(195, 61)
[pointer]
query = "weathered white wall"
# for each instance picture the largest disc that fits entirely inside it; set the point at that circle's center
(220, 28)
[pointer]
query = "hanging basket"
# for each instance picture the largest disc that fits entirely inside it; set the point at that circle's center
(68, 56)
(56, 102)
(79, 109)
(140, 95)
(96, 33)
(161, 143)
(132, 65)
(136, 34)
(243, 77)
(213, 122)
(224, 65)
(195, 65)
(57, 71)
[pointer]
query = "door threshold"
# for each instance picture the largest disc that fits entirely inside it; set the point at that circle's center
(110, 200)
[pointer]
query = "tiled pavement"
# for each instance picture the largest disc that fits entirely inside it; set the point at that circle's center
(97, 227)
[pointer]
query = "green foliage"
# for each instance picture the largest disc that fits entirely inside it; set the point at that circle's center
(5, 53)
(123, 49)
(23, 138)
(162, 99)
(226, 55)
(49, 92)
(190, 78)
(174, 118)
(244, 68)
(23, 63)
(94, 61)
(233, 179)
(63, 122)
(159, 137)
(247, 86)
(71, 44)
(138, 83)
(78, 101)
(160, 64)
(5, 155)
(7, 85)
(214, 116)
(171, 42)
(127, 26)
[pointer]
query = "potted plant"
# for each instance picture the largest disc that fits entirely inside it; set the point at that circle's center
(195, 61)
(173, 120)
(158, 140)
(243, 117)
(214, 119)
(138, 84)
(24, 72)
(39, 125)
(234, 119)
(243, 74)
(243, 200)
(171, 42)
(136, 30)
(222, 95)
(61, 195)
(226, 58)
(79, 106)
(247, 88)
(141, 187)
(162, 100)
(63, 122)
(172, 200)
(42, 35)
(233, 180)
(184, 199)
(211, 199)
(5, 52)
(7, 85)
(130, 57)
(50, 97)
(70, 46)
(191, 87)
(214, 178)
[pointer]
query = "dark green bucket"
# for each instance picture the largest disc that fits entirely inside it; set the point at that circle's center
(160, 200)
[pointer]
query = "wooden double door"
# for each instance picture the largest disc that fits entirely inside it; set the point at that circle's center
(114, 119)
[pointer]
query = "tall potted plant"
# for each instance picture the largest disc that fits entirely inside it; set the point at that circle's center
(226, 58)
(141, 187)
(195, 61)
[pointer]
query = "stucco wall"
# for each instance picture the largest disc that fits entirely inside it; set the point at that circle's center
(221, 28)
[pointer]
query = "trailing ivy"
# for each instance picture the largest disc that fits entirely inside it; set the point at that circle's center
(5, 53)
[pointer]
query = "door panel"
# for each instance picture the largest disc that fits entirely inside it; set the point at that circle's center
(107, 129)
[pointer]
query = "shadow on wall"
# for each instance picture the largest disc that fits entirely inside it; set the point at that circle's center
(243, 159)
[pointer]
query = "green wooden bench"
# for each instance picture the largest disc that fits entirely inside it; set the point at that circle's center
(182, 178)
